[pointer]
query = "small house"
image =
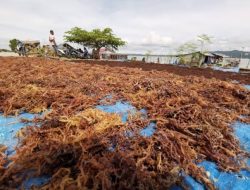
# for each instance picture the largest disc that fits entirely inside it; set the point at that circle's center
(244, 65)
(199, 58)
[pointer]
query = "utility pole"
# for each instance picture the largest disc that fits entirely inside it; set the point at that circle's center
(242, 52)
(241, 55)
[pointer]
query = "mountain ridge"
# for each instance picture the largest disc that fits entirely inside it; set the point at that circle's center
(235, 54)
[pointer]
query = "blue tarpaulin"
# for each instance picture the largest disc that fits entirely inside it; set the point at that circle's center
(231, 69)
(124, 109)
(121, 108)
(9, 126)
(222, 180)
(247, 87)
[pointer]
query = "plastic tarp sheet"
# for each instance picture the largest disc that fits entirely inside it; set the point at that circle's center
(222, 180)
(231, 69)
(247, 87)
(124, 109)
(9, 126)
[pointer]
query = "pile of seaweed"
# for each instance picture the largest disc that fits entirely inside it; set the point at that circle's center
(81, 147)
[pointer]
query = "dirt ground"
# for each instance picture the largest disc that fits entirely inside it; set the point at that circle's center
(8, 54)
(243, 78)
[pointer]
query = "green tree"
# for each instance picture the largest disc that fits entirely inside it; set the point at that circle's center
(188, 47)
(204, 39)
(13, 44)
(96, 38)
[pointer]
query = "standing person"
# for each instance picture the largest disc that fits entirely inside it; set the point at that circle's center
(52, 41)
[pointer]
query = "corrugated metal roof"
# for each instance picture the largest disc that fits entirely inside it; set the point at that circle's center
(221, 55)
(202, 53)
(207, 54)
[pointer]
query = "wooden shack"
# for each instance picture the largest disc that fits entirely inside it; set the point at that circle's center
(197, 59)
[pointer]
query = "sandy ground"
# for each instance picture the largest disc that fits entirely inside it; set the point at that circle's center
(8, 54)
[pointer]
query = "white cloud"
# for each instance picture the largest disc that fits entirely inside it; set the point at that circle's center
(155, 39)
(154, 24)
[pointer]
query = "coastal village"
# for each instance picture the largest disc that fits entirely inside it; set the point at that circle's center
(192, 59)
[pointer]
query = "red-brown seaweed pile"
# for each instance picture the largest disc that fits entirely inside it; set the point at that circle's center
(192, 114)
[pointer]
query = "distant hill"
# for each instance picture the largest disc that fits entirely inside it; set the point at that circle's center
(235, 54)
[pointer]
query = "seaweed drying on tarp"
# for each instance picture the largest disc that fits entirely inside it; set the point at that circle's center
(82, 147)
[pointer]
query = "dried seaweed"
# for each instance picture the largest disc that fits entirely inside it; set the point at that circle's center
(81, 147)
(2, 157)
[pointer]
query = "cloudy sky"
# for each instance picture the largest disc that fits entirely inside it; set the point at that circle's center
(159, 26)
